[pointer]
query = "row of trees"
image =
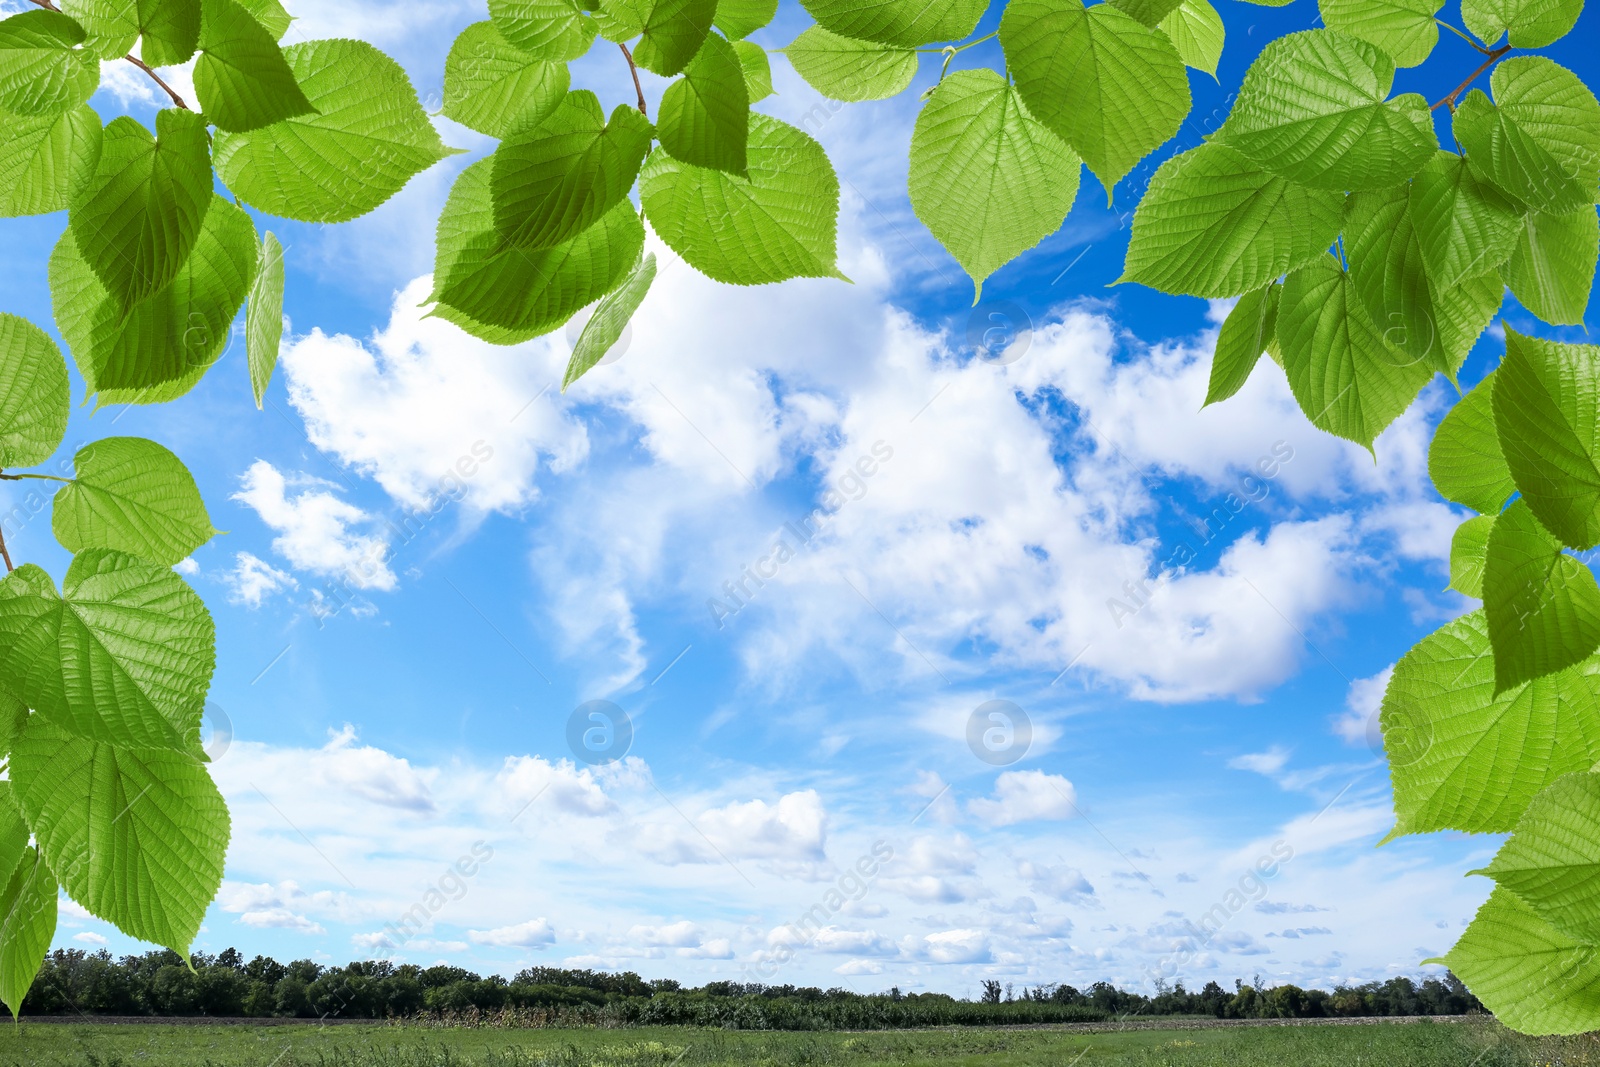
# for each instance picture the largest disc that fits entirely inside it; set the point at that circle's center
(157, 983)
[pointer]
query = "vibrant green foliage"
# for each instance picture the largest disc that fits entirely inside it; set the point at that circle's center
(1465, 461)
(1552, 860)
(168, 31)
(1108, 85)
(134, 496)
(263, 322)
(496, 88)
(1543, 606)
(610, 318)
(905, 23)
(45, 159)
(703, 114)
(1463, 757)
(1468, 548)
(988, 180)
(1214, 224)
(1314, 108)
(41, 70)
(33, 394)
(778, 223)
(1245, 334)
(1197, 33)
(844, 69)
(367, 138)
(1404, 30)
(242, 79)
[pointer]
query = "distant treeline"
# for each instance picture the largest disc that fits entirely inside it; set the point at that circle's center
(157, 983)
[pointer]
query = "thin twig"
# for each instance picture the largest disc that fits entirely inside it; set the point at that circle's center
(177, 100)
(6, 553)
(634, 70)
(1494, 57)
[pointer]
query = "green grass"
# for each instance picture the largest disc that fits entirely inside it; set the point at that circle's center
(1473, 1044)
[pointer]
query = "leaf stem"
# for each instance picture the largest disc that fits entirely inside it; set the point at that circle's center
(962, 47)
(5, 552)
(634, 70)
(1464, 36)
(177, 100)
(1494, 57)
(41, 477)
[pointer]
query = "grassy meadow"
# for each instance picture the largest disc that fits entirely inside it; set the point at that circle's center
(1474, 1043)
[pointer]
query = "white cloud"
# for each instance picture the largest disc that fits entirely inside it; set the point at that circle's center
(1059, 881)
(88, 937)
(252, 580)
(1023, 796)
(1359, 723)
(1268, 763)
(791, 833)
(281, 919)
(316, 529)
(952, 946)
(433, 414)
(535, 933)
(372, 773)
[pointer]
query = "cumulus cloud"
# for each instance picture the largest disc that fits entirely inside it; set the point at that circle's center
(1059, 881)
(252, 580)
(1359, 723)
(535, 933)
(316, 530)
(1024, 796)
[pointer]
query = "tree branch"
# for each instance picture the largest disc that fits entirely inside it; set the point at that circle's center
(177, 100)
(635, 72)
(6, 553)
(1494, 57)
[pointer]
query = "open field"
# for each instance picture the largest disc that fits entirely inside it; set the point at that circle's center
(1463, 1043)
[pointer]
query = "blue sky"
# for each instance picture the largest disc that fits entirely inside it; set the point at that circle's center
(400, 668)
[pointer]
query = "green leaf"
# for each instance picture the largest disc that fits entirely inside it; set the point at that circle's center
(46, 159)
(551, 30)
(1539, 141)
(1543, 605)
(987, 180)
(263, 318)
(610, 318)
(1533, 23)
(1534, 978)
(1215, 224)
(1111, 87)
(1465, 461)
(134, 496)
(1197, 33)
(1465, 227)
(1468, 549)
(1553, 265)
(124, 656)
(368, 139)
(137, 836)
(509, 294)
(1312, 108)
(270, 14)
(1244, 336)
(553, 181)
(34, 394)
(168, 31)
(13, 717)
(1463, 313)
(1548, 418)
(27, 926)
(673, 31)
(495, 88)
(738, 19)
(1553, 859)
(1405, 30)
(1149, 12)
(13, 828)
(166, 342)
(241, 78)
(140, 214)
(906, 23)
(844, 69)
(778, 223)
(42, 72)
(1345, 378)
(1464, 758)
(704, 115)
(757, 70)
(1390, 279)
